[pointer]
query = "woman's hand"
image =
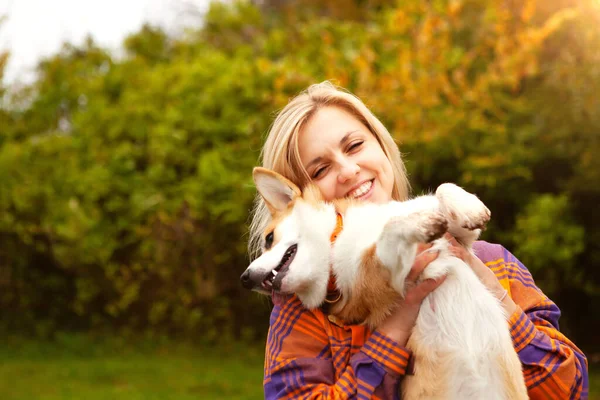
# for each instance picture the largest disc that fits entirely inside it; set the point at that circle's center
(484, 274)
(398, 326)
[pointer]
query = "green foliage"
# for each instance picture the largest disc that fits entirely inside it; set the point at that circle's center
(125, 183)
(546, 224)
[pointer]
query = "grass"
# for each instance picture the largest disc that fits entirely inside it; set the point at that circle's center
(595, 382)
(81, 370)
(76, 367)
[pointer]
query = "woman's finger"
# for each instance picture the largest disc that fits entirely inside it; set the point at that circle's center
(452, 240)
(417, 294)
(421, 247)
(476, 265)
(460, 252)
(421, 261)
(457, 249)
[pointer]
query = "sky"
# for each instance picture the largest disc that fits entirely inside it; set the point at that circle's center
(37, 28)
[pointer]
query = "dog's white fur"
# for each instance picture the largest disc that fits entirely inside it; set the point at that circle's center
(461, 340)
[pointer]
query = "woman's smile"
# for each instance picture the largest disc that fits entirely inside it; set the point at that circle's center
(362, 191)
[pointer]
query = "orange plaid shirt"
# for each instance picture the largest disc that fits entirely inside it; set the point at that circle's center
(309, 356)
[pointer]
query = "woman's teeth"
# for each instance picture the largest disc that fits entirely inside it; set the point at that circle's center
(364, 188)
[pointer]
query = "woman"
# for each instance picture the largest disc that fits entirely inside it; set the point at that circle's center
(328, 136)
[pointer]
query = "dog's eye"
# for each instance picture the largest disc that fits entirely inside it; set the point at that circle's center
(269, 241)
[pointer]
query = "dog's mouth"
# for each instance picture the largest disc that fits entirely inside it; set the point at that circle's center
(274, 278)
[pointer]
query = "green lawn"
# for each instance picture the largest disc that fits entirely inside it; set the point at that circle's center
(61, 371)
(79, 368)
(595, 382)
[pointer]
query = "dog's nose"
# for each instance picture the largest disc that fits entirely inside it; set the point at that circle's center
(246, 281)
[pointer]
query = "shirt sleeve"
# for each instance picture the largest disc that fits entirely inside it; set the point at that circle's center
(554, 368)
(301, 360)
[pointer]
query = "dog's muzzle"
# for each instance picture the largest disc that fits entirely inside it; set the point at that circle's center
(270, 280)
(247, 280)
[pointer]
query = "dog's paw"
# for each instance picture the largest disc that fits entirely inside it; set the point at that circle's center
(431, 226)
(479, 221)
(462, 208)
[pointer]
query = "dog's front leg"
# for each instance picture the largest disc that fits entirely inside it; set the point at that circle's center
(466, 214)
(397, 244)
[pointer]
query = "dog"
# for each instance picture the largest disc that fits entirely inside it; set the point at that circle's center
(461, 342)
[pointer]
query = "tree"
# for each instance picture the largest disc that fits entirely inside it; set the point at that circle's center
(125, 183)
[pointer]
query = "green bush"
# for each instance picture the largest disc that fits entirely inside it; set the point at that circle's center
(125, 183)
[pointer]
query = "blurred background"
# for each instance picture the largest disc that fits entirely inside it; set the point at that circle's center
(126, 157)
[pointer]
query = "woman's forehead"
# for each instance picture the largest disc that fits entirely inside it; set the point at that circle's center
(330, 127)
(330, 122)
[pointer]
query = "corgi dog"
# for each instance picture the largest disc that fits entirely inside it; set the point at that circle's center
(461, 342)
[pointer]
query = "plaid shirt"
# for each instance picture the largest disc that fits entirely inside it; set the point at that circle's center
(311, 356)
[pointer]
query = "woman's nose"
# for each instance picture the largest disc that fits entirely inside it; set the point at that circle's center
(348, 170)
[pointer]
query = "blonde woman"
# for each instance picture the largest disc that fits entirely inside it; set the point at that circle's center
(327, 136)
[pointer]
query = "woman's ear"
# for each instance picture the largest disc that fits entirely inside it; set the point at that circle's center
(277, 191)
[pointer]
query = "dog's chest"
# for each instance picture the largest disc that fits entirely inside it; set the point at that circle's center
(362, 227)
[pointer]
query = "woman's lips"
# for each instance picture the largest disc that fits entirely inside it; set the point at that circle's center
(363, 191)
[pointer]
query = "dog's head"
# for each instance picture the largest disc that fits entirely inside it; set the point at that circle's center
(295, 257)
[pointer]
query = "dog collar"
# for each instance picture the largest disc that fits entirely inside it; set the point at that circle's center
(333, 294)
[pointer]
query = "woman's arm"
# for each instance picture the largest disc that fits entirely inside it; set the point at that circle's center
(554, 368)
(302, 358)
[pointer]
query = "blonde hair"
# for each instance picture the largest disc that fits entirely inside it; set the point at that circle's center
(280, 151)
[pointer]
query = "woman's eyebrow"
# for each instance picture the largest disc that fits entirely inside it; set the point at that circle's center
(346, 136)
(315, 161)
(342, 142)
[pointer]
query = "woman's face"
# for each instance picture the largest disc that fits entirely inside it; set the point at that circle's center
(344, 159)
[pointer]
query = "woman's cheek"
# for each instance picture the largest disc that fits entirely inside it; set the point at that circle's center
(322, 188)
(329, 189)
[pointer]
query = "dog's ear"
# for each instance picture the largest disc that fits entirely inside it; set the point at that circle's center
(277, 191)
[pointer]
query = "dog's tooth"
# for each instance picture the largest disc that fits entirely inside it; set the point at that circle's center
(274, 272)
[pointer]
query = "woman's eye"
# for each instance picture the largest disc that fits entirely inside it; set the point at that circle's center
(355, 145)
(269, 241)
(319, 172)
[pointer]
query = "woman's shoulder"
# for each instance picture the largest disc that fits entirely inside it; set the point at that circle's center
(503, 263)
(490, 252)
